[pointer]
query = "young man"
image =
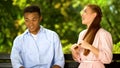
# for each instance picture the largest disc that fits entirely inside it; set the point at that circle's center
(37, 47)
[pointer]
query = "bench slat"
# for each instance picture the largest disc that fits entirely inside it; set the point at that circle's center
(116, 56)
(8, 65)
(4, 56)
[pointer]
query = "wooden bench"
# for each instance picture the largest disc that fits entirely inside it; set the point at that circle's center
(115, 62)
(69, 62)
(5, 61)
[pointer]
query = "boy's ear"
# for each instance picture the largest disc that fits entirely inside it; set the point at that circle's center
(40, 18)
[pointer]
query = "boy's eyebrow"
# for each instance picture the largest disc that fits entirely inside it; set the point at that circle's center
(26, 18)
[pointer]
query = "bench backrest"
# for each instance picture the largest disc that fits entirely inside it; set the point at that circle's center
(5, 61)
(69, 62)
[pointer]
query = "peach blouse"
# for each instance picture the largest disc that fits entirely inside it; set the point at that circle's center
(102, 41)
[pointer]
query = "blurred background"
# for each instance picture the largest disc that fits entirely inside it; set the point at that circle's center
(62, 16)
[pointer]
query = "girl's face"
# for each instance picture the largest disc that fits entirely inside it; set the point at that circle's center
(88, 16)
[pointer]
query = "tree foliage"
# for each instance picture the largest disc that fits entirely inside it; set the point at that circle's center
(62, 16)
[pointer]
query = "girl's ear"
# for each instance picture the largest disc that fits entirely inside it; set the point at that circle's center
(94, 14)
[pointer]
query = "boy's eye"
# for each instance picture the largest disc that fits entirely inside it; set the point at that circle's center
(26, 20)
(34, 19)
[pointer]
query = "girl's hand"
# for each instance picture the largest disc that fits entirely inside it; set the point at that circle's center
(85, 45)
(75, 52)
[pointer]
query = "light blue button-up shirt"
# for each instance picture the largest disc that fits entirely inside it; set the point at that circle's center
(43, 52)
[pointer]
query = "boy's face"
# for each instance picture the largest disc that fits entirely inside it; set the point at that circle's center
(32, 20)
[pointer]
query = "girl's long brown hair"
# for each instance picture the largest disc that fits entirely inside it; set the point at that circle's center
(93, 28)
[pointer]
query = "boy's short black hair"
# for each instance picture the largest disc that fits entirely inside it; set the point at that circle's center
(32, 8)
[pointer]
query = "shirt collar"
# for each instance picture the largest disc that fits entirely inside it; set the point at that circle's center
(41, 30)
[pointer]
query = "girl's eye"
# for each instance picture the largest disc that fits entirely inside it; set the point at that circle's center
(85, 11)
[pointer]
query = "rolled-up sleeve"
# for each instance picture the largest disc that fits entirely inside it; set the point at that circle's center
(105, 52)
(59, 56)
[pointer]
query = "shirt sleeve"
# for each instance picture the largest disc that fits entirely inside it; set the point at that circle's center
(15, 54)
(58, 56)
(105, 52)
